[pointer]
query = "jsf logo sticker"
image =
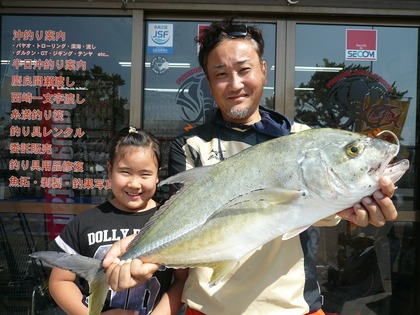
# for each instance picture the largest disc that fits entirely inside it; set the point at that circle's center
(160, 39)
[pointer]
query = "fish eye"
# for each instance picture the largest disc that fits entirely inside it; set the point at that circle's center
(353, 150)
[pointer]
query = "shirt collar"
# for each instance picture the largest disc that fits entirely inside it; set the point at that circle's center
(272, 123)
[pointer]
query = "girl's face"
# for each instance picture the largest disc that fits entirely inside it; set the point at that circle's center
(134, 176)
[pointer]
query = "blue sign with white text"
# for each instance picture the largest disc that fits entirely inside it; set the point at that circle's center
(160, 38)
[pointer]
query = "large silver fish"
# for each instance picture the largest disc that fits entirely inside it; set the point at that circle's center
(277, 188)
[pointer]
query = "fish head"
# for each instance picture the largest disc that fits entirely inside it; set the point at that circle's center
(343, 167)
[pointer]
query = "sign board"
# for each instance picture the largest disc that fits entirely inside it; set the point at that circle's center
(361, 45)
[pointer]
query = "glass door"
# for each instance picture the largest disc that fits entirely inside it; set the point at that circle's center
(364, 79)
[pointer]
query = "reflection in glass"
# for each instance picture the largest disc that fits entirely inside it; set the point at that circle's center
(363, 270)
(362, 96)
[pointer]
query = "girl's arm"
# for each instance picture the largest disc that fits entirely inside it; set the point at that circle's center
(68, 296)
(171, 300)
(65, 292)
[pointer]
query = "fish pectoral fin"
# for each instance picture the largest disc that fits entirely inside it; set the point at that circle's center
(261, 198)
(295, 232)
(220, 270)
(98, 290)
(269, 195)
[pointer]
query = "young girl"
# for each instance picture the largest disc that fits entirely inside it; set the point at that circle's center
(133, 165)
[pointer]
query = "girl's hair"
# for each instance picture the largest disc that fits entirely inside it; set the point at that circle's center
(133, 137)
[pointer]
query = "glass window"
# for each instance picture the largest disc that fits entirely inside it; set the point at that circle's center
(360, 78)
(65, 89)
(364, 79)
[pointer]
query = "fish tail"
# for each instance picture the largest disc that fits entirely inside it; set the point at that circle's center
(88, 268)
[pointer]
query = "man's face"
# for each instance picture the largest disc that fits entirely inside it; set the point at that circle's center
(236, 79)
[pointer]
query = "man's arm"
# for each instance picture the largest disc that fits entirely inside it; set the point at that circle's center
(177, 161)
(171, 300)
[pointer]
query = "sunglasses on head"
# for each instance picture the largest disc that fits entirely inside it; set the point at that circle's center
(235, 31)
(238, 30)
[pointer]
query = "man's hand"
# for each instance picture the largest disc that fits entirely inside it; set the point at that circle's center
(121, 275)
(375, 210)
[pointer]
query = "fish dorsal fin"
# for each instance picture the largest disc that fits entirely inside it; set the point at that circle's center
(295, 232)
(187, 177)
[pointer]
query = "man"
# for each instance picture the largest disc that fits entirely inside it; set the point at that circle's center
(280, 277)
